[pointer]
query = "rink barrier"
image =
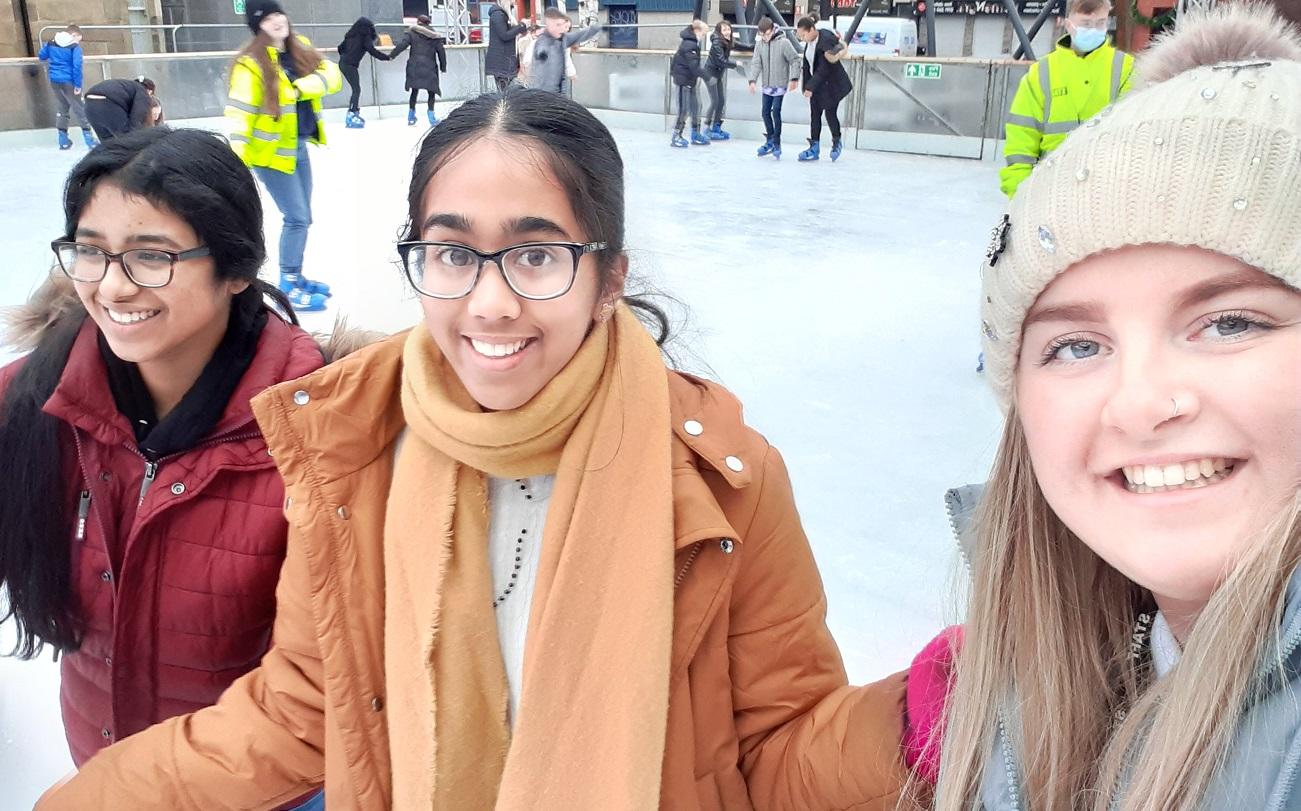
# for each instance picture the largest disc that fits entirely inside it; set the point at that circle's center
(959, 114)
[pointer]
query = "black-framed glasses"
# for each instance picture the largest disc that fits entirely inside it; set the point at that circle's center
(145, 267)
(537, 271)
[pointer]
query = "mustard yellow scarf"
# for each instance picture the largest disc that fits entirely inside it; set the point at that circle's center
(594, 703)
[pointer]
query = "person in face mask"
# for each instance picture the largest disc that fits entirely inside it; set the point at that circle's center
(1084, 74)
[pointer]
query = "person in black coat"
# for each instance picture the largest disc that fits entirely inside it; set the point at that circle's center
(826, 84)
(715, 74)
(118, 106)
(359, 41)
(502, 60)
(686, 70)
(428, 59)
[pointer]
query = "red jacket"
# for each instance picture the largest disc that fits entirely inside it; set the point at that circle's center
(176, 589)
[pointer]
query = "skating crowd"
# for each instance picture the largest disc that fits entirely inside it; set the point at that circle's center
(512, 559)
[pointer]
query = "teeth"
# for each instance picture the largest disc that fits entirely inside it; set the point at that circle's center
(1190, 475)
(131, 318)
(497, 350)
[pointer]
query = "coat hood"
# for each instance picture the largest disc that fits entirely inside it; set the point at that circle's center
(63, 39)
(689, 35)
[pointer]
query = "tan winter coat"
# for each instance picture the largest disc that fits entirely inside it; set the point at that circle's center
(760, 714)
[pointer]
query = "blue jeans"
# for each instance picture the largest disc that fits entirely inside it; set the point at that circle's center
(772, 118)
(293, 196)
(316, 803)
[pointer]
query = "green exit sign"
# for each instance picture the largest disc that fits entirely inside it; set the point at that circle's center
(239, 6)
(922, 70)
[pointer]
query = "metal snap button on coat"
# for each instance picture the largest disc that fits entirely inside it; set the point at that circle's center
(343, 513)
(693, 427)
(734, 464)
(106, 575)
(106, 733)
(178, 489)
(377, 704)
(726, 545)
(302, 398)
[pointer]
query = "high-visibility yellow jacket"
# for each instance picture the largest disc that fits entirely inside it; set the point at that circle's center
(1058, 93)
(261, 139)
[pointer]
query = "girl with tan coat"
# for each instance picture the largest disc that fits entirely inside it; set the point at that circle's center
(530, 566)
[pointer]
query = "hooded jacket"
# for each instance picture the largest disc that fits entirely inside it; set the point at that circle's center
(64, 55)
(428, 58)
(547, 67)
(776, 63)
(501, 59)
(126, 94)
(175, 563)
(760, 715)
(359, 41)
(719, 60)
(685, 68)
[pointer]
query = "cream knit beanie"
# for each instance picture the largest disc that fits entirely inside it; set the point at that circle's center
(1207, 153)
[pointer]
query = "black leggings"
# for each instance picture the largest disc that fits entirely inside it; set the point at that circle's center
(688, 104)
(107, 119)
(415, 95)
(816, 111)
(354, 81)
(717, 86)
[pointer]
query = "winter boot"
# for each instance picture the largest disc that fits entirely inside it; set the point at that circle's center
(766, 149)
(411, 117)
(718, 134)
(64, 141)
(679, 142)
(836, 148)
(813, 152)
(352, 121)
(433, 119)
(89, 137)
(305, 302)
(698, 138)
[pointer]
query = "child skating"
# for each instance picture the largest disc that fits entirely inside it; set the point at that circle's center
(718, 63)
(64, 55)
(359, 41)
(775, 69)
(826, 84)
(687, 71)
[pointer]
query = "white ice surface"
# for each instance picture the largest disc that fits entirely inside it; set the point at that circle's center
(838, 301)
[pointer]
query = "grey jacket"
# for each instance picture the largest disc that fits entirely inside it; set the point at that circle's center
(1264, 762)
(547, 70)
(775, 63)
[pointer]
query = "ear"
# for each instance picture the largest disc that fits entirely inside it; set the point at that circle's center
(237, 286)
(614, 287)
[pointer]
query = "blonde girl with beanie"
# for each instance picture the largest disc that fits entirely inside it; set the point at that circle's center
(531, 567)
(1133, 638)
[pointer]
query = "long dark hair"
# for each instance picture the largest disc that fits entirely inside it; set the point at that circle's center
(580, 151)
(195, 175)
(363, 30)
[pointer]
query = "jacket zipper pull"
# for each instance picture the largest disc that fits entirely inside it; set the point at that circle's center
(151, 470)
(83, 512)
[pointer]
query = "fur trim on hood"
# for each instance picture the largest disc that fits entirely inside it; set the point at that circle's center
(22, 327)
(1234, 32)
(425, 32)
(63, 39)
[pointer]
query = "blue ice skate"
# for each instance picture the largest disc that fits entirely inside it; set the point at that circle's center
(717, 133)
(353, 121)
(679, 142)
(836, 148)
(64, 141)
(698, 138)
(766, 149)
(411, 117)
(814, 152)
(433, 119)
(89, 138)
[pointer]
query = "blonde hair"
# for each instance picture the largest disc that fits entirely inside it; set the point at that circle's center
(1049, 659)
(1087, 6)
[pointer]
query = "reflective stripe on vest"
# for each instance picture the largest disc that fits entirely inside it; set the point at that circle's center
(1117, 73)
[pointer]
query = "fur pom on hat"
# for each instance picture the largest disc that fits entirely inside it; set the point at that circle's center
(1207, 153)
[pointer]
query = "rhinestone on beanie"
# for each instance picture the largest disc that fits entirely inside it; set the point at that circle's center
(1208, 93)
(1240, 204)
(1046, 239)
(1083, 174)
(1158, 141)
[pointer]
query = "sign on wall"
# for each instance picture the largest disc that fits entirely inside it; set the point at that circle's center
(239, 6)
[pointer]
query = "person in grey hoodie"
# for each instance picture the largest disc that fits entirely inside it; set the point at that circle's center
(547, 68)
(775, 69)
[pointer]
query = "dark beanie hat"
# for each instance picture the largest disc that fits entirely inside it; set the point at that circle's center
(255, 11)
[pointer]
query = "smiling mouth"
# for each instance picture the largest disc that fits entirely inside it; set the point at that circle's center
(127, 319)
(1193, 474)
(500, 350)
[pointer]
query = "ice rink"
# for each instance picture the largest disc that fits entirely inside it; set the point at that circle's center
(837, 300)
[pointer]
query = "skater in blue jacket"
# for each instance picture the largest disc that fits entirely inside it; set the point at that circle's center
(64, 55)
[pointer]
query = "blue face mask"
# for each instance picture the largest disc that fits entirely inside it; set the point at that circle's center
(1088, 40)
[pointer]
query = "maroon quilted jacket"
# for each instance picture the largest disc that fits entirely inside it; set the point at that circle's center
(176, 588)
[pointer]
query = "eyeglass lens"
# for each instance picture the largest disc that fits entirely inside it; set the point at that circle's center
(86, 263)
(536, 271)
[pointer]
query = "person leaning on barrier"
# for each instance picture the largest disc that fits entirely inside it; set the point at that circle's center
(1084, 74)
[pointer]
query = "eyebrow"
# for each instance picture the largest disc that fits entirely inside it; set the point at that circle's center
(148, 239)
(519, 225)
(1238, 280)
(1088, 311)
